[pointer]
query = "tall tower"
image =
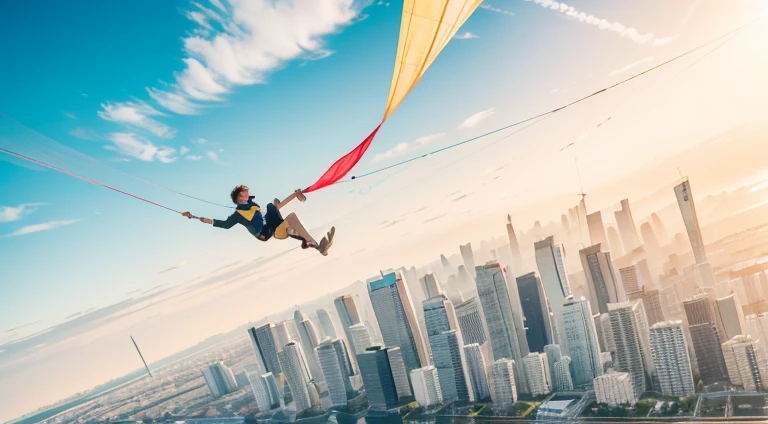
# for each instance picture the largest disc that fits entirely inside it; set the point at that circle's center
(596, 229)
(632, 354)
(326, 324)
(297, 374)
(503, 388)
(742, 363)
(627, 228)
(264, 388)
(562, 374)
(309, 341)
(582, 342)
(550, 259)
(348, 315)
(397, 319)
(670, 356)
(615, 242)
(468, 256)
(731, 315)
(536, 374)
(601, 279)
(219, 379)
(430, 286)
(477, 371)
(471, 322)
(378, 378)
(263, 341)
(361, 339)
(517, 257)
(285, 332)
(691, 220)
(499, 318)
(538, 327)
(450, 363)
(335, 374)
(705, 339)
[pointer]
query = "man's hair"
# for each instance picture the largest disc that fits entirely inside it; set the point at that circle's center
(236, 192)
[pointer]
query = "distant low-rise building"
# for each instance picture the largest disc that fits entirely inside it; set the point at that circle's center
(615, 389)
(220, 379)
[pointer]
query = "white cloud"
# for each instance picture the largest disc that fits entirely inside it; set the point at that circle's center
(136, 146)
(616, 27)
(477, 118)
(214, 157)
(41, 227)
(70, 115)
(496, 9)
(137, 115)
(174, 266)
(239, 43)
(193, 157)
(198, 140)
(183, 150)
(466, 36)
(84, 133)
(10, 214)
(403, 147)
(631, 65)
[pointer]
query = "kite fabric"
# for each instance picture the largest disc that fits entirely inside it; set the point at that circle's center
(425, 29)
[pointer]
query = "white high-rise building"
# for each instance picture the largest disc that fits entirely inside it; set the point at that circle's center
(670, 356)
(503, 390)
(554, 354)
(627, 229)
(335, 376)
(397, 318)
(601, 279)
(219, 379)
(651, 303)
(604, 332)
(742, 363)
(326, 324)
(430, 286)
(632, 351)
(285, 332)
(468, 256)
(264, 388)
(471, 321)
(582, 341)
(562, 374)
(615, 388)
(297, 374)
(596, 229)
(505, 336)
(691, 220)
(361, 339)
(536, 374)
(629, 279)
(731, 315)
(426, 386)
(309, 341)
(477, 371)
(399, 372)
(550, 260)
(349, 316)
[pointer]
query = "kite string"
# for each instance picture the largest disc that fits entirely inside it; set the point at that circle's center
(64, 171)
(729, 34)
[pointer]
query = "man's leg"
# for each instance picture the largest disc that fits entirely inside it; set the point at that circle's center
(295, 227)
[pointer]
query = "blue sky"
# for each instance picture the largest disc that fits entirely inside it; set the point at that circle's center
(113, 81)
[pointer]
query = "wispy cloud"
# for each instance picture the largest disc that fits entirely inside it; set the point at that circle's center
(138, 147)
(177, 265)
(10, 214)
(496, 9)
(193, 157)
(214, 157)
(466, 36)
(635, 64)
(29, 229)
(183, 150)
(198, 140)
(615, 27)
(70, 115)
(84, 133)
(136, 115)
(477, 118)
(403, 147)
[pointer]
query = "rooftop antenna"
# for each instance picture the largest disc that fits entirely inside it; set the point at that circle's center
(142, 357)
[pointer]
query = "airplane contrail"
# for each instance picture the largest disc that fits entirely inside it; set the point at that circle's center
(142, 357)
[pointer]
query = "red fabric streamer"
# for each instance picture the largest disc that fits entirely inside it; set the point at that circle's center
(341, 167)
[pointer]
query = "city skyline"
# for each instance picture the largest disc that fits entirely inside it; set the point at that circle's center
(173, 286)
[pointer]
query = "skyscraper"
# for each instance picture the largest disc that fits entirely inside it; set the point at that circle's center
(468, 256)
(335, 376)
(477, 371)
(554, 354)
(503, 388)
(326, 324)
(219, 379)
(651, 303)
(536, 374)
(377, 377)
(596, 229)
(426, 386)
(471, 321)
(297, 374)
(517, 257)
(430, 286)
(731, 315)
(397, 319)
(705, 339)
(360, 338)
(439, 315)
(670, 356)
(399, 373)
(309, 341)
(615, 388)
(285, 332)
(582, 341)
(601, 280)
(550, 259)
(538, 328)
(562, 374)
(348, 315)
(499, 318)
(604, 332)
(614, 241)
(264, 388)
(263, 342)
(629, 279)
(742, 363)
(449, 360)
(691, 220)
(627, 228)
(631, 352)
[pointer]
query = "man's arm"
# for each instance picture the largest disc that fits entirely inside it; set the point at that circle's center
(295, 195)
(229, 223)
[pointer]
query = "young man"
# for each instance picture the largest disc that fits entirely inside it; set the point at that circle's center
(270, 224)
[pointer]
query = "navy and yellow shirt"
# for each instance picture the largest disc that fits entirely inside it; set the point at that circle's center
(248, 215)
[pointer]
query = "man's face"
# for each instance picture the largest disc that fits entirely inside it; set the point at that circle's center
(243, 196)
